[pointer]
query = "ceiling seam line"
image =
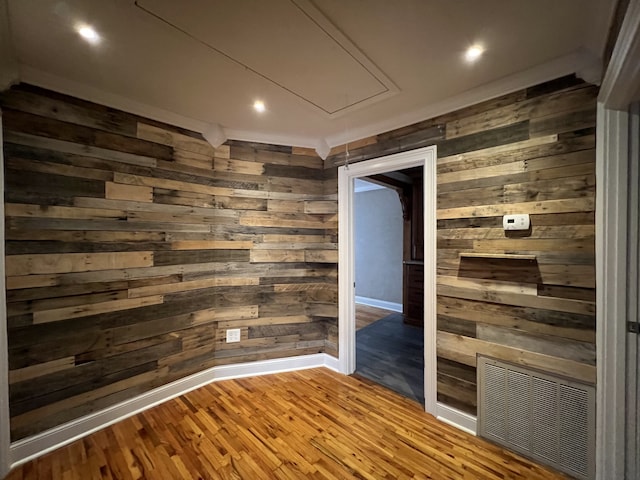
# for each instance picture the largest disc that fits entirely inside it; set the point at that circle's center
(237, 62)
(342, 47)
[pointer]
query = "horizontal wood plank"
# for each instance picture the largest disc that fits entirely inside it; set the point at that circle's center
(67, 313)
(174, 139)
(191, 285)
(75, 262)
(116, 191)
(550, 206)
(464, 350)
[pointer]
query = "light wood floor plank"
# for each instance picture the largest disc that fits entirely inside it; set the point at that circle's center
(297, 425)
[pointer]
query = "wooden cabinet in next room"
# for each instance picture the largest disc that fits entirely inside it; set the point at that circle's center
(413, 300)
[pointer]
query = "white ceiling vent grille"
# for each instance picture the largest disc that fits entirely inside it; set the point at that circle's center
(542, 416)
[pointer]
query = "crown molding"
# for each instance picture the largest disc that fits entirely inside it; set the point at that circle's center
(213, 130)
(323, 149)
(582, 62)
(85, 92)
(272, 138)
(576, 62)
(69, 87)
(215, 135)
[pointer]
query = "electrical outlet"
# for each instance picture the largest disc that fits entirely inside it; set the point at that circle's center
(233, 335)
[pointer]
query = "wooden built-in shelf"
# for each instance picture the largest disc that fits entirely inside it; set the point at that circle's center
(508, 256)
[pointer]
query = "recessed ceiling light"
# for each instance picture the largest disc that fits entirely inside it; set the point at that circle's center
(473, 53)
(88, 33)
(258, 106)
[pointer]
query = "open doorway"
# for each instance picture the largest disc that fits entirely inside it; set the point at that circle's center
(389, 280)
(423, 159)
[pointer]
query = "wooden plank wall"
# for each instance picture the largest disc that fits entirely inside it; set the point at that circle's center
(131, 247)
(532, 151)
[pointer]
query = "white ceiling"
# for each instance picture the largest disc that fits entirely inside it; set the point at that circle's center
(329, 71)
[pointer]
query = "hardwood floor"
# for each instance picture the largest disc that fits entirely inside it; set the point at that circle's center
(307, 424)
(366, 315)
(391, 353)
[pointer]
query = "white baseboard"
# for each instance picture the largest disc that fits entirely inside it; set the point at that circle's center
(374, 302)
(332, 363)
(29, 448)
(457, 418)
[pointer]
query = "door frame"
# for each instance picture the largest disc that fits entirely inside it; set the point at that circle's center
(425, 158)
(614, 188)
(633, 300)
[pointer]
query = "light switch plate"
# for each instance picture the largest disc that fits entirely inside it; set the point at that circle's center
(233, 335)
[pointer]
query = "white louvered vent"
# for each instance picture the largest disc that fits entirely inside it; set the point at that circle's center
(545, 417)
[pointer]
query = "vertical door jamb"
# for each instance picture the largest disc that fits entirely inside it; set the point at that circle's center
(425, 157)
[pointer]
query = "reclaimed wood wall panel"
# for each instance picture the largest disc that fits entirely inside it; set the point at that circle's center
(531, 151)
(131, 246)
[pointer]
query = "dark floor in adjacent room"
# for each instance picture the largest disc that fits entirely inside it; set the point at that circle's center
(390, 353)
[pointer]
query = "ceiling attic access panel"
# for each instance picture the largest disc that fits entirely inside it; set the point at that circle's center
(306, 55)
